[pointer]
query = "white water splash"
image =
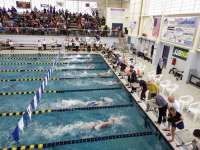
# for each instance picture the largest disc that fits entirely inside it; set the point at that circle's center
(75, 128)
(109, 83)
(72, 103)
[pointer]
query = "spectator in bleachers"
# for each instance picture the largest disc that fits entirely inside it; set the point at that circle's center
(48, 18)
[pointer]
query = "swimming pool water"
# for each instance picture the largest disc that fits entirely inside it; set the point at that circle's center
(71, 125)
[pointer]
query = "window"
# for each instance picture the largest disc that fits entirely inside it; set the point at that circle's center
(158, 7)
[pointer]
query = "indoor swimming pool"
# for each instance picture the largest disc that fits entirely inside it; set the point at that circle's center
(84, 106)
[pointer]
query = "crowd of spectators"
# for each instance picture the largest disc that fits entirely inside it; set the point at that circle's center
(49, 18)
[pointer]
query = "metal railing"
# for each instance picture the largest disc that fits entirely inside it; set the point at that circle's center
(58, 31)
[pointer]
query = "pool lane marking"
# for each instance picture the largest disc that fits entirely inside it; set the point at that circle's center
(48, 63)
(55, 91)
(52, 79)
(83, 140)
(9, 114)
(43, 54)
(40, 58)
(44, 70)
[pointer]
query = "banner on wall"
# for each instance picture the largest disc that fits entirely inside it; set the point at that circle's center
(156, 26)
(179, 30)
(22, 4)
(44, 5)
(117, 26)
(180, 53)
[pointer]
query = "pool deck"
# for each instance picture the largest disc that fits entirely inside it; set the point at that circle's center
(150, 114)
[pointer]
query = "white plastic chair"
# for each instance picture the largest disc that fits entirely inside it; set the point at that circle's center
(194, 108)
(170, 89)
(151, 75)
(164, 84)
(185, 101)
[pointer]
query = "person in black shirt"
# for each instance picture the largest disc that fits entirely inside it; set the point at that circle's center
(132, 78)
(143, 86)
(176, 120)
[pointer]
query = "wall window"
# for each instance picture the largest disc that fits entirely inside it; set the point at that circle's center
(158, 7)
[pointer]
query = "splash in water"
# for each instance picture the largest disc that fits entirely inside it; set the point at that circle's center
(80, 126)
(71, 103)
(105, 74)
(109, 83)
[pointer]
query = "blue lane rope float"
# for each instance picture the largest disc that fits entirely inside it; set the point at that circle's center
(9, 114)
(83, 140)
(51, 79)
(48, 63)
(44, 70)
(55, 91)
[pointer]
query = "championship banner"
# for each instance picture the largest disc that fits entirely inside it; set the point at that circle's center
(180, 53)
(179, 30)
(156, 26)
(24, 5)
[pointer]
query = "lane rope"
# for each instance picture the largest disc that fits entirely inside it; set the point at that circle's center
(48, 63)
(52, 79)
(83, 140)
(9, 114)
(55, 91)
(39, 58)
(44, 70)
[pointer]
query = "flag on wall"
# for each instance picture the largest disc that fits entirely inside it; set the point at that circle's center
(156, 26)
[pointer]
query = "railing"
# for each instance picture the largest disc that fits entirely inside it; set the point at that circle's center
(58, 31)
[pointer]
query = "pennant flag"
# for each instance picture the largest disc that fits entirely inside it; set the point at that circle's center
(50, 72)
(35, 102)
(32, 105)
(46, 81)
(15, 134)
(43, 86)
(21, 124)
(40, 93)
(26, 118)
(48, 75)
(37, 95)
(29, 111)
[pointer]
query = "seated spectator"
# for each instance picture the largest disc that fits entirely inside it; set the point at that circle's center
(48, 18)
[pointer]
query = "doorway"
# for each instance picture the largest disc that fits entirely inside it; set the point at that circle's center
(165, 55)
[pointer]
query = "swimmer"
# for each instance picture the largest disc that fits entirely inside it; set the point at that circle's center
(105, 74)
(105, 124)
(109, 83)
(104, 102)
(91, 66)
(78, 103)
